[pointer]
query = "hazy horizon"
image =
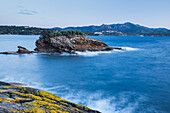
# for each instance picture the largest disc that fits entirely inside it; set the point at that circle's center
(57, 13)
(84, 25)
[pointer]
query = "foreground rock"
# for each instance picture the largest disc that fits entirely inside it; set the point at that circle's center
(25, 99)
(70, 44)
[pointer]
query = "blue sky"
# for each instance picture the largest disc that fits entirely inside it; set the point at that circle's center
(62, 13)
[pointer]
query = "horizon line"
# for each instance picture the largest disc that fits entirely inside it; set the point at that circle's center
(83, 25)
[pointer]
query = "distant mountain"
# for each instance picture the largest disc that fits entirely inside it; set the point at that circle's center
(121, 29)
(126, 29)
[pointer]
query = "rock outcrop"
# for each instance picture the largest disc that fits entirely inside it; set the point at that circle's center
(70, 44)
(22, 50)
(9, 52)
(17, 99)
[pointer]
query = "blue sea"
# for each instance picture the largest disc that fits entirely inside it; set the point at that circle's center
(136, 80)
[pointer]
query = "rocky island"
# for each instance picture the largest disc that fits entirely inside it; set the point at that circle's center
(69, 41)
(17, 99)
(65, 41)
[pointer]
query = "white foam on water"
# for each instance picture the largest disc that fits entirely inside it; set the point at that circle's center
(96, 101)
(67, 54)
(130, 49)
(95, 53)
(92, 53)
(27, 80)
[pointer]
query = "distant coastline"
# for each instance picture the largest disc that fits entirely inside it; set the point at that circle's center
(126, 29)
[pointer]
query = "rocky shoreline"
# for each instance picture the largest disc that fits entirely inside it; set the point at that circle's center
(18, 99)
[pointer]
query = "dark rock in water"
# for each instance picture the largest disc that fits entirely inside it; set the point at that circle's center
(30, 100)
(8, 52)
(23, 50)
(70, 44)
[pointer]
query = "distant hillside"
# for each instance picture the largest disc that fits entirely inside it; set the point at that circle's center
(126, 29)
(20, 30)
(122, 29)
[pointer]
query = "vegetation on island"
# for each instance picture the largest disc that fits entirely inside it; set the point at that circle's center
(55, 33)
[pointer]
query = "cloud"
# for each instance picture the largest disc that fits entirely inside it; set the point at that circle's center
(27, 12)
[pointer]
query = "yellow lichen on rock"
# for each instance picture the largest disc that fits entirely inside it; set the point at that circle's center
(23, 99)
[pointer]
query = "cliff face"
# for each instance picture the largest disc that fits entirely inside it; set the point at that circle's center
(70, 44)
(25, 99)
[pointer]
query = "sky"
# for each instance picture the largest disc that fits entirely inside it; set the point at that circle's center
(64, 13)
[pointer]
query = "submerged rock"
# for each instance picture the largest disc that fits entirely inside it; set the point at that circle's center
(24, 99)
(70, 44)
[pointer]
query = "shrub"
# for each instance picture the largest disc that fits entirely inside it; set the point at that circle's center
(54, 33)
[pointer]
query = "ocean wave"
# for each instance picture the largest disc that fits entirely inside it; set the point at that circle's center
(86, 53)
(130, 49)
(68, 54)
(96, 53)
(123, 103)
(92, 53)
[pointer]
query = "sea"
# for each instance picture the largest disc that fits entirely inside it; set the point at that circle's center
(135, 80)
